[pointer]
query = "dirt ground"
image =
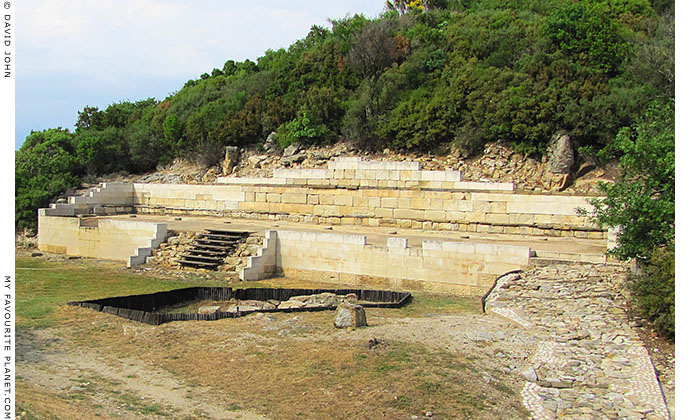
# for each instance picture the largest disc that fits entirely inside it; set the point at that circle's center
(437, 358)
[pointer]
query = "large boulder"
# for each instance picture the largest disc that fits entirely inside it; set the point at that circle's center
(561, 155)
(289, 160)
(292, 149)
(271, 142)
(232, 155)
(349, 315)
(209, 309)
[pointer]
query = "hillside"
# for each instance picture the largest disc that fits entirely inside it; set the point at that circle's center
(435, 76)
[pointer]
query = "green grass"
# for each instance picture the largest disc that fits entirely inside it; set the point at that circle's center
(43, 286)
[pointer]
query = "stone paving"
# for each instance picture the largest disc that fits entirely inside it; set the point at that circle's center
(589, 362)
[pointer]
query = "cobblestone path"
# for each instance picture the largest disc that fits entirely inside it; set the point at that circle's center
(589, 362)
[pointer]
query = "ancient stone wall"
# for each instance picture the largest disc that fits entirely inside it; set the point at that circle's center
(491, 212)
(355, 192)
(462, 267)
(122, 240)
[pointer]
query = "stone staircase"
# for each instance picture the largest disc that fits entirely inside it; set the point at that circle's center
(210, 248)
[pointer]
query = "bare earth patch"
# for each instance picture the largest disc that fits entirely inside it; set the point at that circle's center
(277, 366)
(438, 357)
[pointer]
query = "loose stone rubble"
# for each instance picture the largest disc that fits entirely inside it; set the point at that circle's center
(176, 245)
(497, 162)
(589, 363)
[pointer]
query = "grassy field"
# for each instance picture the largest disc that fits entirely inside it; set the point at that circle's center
(277, 366)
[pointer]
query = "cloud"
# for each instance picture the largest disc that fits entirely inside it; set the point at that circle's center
(106, 51)
(108, 39)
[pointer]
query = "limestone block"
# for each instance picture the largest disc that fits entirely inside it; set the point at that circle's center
(408, 214)
(497, 218)
(363, 212)
(435, 215)
(419, 203)
(294, 198)
(389, 202)
(327, 199)
(328, 211)
(343, 200)
(349, 315)
(396, 243)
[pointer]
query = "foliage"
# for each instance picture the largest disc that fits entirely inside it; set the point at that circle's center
(300, 129)
(653, 290)
(642, 202)
(423, 74)
(45, 166)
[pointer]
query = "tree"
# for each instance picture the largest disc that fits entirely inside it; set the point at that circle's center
(375, 48)
(44, 168)
(642, 202)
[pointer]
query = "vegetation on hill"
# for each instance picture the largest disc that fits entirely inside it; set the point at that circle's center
(642, 205)
(423, 75)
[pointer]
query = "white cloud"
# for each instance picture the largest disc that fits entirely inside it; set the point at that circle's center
(108, 39)
(71, 53)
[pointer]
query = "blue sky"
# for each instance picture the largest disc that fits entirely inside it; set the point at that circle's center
(73, 53)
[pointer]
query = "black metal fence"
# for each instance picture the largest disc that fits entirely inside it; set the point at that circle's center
(142, 308)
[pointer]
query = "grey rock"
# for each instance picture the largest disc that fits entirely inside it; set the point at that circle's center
(292, 149)
(291, 304)
(172, 179)
(289, 160)
(350, 315)
(209, 309)
(561, 155)
(529, 374)
(232, 155)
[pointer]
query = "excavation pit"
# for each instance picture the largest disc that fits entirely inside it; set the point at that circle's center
(161, 307)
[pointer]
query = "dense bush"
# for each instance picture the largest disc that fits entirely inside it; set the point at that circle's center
(654, 290)
(642, 202)
(423, 74)
(45, 166)
(642, 205)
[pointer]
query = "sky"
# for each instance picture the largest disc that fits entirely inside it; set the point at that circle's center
(74, 53)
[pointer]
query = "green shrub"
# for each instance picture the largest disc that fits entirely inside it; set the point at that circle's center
(302, 129)
(653, 291)
(642, 202)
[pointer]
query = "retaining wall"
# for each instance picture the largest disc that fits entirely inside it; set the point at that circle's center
(463, 267)
(121, 240)
(492, 212)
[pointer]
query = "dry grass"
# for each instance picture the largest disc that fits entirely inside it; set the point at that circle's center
(288, 366)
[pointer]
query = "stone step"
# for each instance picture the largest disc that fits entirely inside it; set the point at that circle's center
(207, 252)
(220, 236)
(226, 232)
(217, 241)
(212, 247)
(196, 263)
(217, 259)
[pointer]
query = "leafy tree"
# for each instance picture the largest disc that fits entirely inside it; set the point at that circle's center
(642, 202)
(90, 117)
(586, 31)
(100, 151)
(374, 49)
(44, 168)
